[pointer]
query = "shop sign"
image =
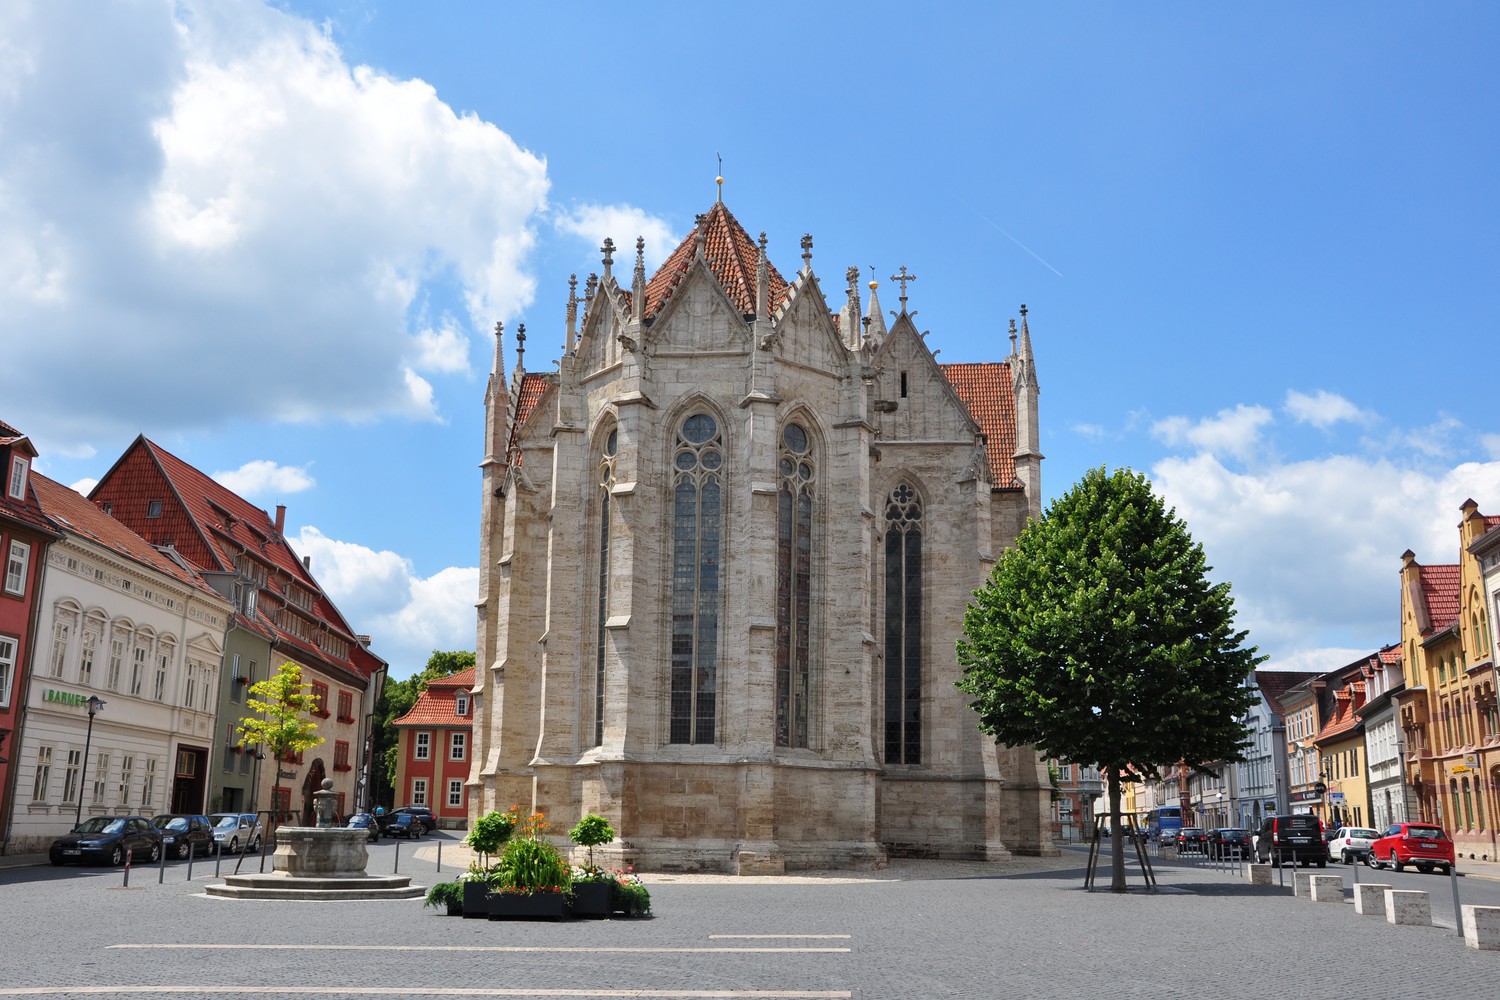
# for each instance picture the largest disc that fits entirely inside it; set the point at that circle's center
(64, 697)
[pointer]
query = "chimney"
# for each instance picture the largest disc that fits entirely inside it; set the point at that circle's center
(280, 518)
(307, 563)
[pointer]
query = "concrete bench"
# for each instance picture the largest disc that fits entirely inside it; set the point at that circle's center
(1369, 899)
(1482, 927)
(1327, 889)
(1260, 874)
(1408, 906)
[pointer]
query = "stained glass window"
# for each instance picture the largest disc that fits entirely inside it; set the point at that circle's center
(903, 627)
(697, 512)
(794, 519)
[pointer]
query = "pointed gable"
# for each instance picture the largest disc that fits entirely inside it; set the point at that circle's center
(436, 705)
(731, 256)
(1439, 588)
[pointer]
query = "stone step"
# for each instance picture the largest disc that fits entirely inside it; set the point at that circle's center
(268, 892)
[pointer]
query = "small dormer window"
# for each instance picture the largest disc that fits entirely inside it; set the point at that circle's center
(19, 467)
(153, 508)
(461, 705)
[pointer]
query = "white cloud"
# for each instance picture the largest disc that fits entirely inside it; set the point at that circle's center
(407, 616)
(265, 477)
(1233, 432)
(1312, 548)
(624, 224)
(212, 181)
(1323, 410)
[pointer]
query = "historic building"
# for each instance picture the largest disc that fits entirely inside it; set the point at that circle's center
(433, 741)
(120, 712)
(280, 614)
(1386, 784)
(726, 550)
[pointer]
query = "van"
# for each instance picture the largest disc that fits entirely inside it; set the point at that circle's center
(1293, 839)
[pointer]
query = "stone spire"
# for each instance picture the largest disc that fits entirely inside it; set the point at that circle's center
(1028, 453)
(520, 352)
(849, 315)
(762, 280)
(572, 312)
(608, 250)
(875, 329)
(638, 281)
(497, 368)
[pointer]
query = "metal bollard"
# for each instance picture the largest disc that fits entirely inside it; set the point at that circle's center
(161, 864)
(440, 856)
(396, 865)
(1458, 912)
(218, 854)
(192, 853)
(130, 852)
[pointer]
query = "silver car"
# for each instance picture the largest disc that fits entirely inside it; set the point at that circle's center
(235, 832)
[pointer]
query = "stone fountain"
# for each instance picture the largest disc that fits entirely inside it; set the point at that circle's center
(319, 862)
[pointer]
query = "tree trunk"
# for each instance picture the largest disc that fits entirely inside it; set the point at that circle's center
(1116, 835)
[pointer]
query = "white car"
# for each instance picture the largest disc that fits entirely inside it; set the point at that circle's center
(235, 832)
(1351, 844)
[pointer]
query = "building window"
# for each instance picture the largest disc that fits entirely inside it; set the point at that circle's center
(236, 689)
(341, 755)
(229, 748)
(101, 778)
(455, 793)
(43, 776)
(70, 776)
(62, 633)
(138, 671)
(419, 791)
(8, 648)
(127, 772)
(320, 700)
(346, 706)
(159, 688)
(19, 465)
(15, 567)
(794, 525)
(697, 515)
(457, 745)
(153, 508)
(461, 705)
(148, 785)
(116, 661)
(903, 627)
(190, 688)
(601, 604)
(423, 749)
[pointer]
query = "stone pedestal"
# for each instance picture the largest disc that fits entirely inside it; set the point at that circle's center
(319, 852)
(1482, 927)
(1408, 906)
(1260, 874)
(1327, 889)
(1369, 899)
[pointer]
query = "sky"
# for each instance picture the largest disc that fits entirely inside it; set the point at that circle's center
(1259, 246)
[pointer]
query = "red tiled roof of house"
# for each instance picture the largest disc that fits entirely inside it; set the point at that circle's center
(1440, 591)
(1274, 684)
(1391, 654)
(436, 705)
(1344, 719)
(212, 527)
(985, 388)
(76, 516)
(27, 511)
(533, 385)
(731, 256)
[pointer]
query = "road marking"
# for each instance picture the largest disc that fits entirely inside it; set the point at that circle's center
(477, 948)
(798, 937)
(426, 991)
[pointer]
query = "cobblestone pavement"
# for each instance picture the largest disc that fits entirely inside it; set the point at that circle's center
(1022, 928)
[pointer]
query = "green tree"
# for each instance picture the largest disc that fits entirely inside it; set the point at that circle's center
(396, 699)
(1098, 639)
(284, 725)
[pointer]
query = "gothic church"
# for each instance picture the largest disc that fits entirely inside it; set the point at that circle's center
(725, 554)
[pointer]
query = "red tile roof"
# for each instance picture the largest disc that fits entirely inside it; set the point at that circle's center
(1274, 684)
(26, 512)
(533, 385)
(1440, 591)
(81, 519)
(212, 527)
(985, 388)
(731, 256)
(436, 705)
(1344, 719)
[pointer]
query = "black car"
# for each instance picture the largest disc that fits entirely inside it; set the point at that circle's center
(367, 823)
(1292, 840)
(1191, 840)
(405, 825)
(106, 839)
(185, 833)
(429, 821)
(1228, 842)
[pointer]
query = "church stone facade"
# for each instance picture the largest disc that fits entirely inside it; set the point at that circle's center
(726, 550)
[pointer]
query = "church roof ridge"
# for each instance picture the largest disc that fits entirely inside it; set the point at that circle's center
(730, 254)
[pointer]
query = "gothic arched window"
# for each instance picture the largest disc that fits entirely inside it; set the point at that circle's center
(697, 517)
(903, 626)
(606, 484)
(794, 520)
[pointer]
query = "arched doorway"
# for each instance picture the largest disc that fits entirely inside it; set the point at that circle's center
(312, 783)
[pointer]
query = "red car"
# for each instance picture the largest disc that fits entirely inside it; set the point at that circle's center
(1422, 844)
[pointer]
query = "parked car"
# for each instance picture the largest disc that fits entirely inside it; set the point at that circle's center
(1292, 839)
(1422, 844)
(1228, 842)
(234, 832)
(106, 839)
(405, 825)
(429, 821)
(1191, 840)
(368, 823)
(184, 833)
(1351, 844)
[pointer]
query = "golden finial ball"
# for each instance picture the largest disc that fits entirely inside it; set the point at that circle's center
(718, 180)
(874, 284)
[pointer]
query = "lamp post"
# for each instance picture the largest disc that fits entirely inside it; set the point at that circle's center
(96, 705)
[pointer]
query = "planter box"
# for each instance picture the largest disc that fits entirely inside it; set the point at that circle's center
(593, 899)
(476, 899)
(518, 906)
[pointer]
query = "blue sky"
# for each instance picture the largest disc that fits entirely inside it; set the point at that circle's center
(1258, 246)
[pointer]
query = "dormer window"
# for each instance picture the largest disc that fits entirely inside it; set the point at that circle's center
(153, 508)
(19, 467)
(461, 705)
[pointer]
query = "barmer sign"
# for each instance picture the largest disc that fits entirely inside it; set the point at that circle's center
(65, 697)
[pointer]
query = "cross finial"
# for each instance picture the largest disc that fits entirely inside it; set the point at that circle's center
(608, 249)
(1023, 312)
(719, 180)
(807, 251)
(903, 277)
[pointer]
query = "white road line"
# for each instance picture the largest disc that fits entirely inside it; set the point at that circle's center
(476, 948)
(763, 937)
(426, 991)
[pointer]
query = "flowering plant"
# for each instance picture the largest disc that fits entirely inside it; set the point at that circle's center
(490, 831)
(529, 863)
(631, 894)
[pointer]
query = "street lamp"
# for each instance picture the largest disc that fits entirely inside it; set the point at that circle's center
(96, 705)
